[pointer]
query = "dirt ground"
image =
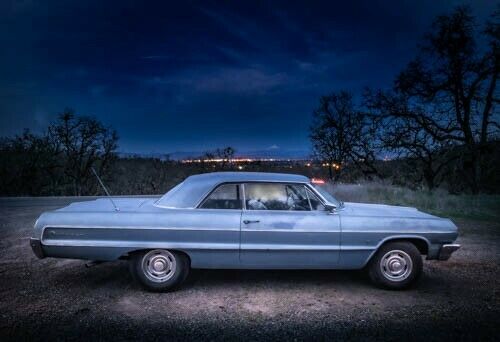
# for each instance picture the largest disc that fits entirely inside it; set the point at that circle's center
(61, 299)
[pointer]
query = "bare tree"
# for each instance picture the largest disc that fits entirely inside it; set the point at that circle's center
(341, 134)
(159, 175)
(226, 154)
(29, 165)
(403, 137)
(85, 142)
(451, 88)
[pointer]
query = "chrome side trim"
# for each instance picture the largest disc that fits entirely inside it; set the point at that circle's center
(352, 231)
(276, 247)
(186, 246)
(145, 244)
(138, 227)
(279, 230)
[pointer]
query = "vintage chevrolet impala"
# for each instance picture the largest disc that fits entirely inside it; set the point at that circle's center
(246, 220)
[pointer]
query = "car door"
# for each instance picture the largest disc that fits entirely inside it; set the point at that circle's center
(284, 225)
(220, 214)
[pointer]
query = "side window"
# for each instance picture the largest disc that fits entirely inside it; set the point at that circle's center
(225, 196)
(276, 196)
(314, 200)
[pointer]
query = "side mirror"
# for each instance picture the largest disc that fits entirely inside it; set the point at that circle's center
(330, 208)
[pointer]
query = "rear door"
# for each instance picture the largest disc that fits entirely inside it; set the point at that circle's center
(284, 225)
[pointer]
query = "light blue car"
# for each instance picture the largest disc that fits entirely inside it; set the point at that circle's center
(246, 220)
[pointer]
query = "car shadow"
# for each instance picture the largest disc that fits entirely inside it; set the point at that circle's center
(116, 275)
(280, 278)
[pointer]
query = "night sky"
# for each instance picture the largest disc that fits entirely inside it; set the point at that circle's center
(192, 76)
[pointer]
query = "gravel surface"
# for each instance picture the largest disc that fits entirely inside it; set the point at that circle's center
(61, 299)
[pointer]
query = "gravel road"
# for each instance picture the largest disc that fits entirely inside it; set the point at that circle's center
(61, 299)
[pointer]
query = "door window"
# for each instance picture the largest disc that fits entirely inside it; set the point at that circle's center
(225, 196)
(276, 196)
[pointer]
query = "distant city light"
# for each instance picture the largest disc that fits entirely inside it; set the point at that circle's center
(334, 165)
(239, 160)
(317, 181)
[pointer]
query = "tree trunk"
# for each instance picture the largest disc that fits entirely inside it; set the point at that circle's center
(429, 177)
(476, 169)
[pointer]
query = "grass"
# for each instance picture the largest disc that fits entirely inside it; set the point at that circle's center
(439, 202)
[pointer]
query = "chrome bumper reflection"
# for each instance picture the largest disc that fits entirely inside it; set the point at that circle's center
(447, 250)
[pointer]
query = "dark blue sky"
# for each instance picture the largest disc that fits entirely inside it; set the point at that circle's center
(192, 76)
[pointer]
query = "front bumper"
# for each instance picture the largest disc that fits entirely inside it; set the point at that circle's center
(36, 246)
(446, 251)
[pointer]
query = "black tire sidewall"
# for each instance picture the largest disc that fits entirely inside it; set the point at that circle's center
(181, 272)
(380, 280)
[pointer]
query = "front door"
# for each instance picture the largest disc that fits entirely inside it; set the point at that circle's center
(284, 225)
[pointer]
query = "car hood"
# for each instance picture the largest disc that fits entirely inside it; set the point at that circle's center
(382, 210)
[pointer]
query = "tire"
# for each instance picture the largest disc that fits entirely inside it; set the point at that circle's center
(159, 270)
(396, 266)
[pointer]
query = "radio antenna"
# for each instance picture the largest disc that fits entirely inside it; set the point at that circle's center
(105, 190)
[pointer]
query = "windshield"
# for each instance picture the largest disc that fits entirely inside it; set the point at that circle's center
(326, 195)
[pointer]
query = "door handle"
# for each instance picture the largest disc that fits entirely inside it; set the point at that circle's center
(250, 221)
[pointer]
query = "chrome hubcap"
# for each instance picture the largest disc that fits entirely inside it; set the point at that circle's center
(159, 265)
(396, 265)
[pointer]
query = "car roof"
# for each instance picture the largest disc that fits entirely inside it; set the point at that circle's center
(194, 188)
(249, 177)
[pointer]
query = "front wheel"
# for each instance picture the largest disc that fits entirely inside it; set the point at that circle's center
(396, 265)
(159, 270)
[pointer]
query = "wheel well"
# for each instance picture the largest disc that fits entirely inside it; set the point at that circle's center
(421, 244)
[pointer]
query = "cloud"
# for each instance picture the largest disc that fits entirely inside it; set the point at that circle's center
(225, 80)
(273, 147)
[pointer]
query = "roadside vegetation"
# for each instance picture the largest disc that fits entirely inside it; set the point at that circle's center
(464, 206)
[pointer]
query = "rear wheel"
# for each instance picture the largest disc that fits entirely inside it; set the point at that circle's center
(396, 266)
(159, 270)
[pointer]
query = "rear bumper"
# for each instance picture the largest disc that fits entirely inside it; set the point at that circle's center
(446, 251)
(36, 246)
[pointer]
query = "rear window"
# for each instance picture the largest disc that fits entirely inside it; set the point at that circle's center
(226, 196)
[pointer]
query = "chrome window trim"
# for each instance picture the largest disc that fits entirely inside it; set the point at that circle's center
(242, 188)
(205, 197)
(308, 199)
(320, 197)
(244, 206)
(307, 185)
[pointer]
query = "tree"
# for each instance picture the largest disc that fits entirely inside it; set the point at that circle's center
(225, 155)
(451, 88)
(403, 137)
(341, 134)
(85, 142)
(29, 165)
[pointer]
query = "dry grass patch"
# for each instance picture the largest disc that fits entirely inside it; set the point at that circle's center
(439, 202)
